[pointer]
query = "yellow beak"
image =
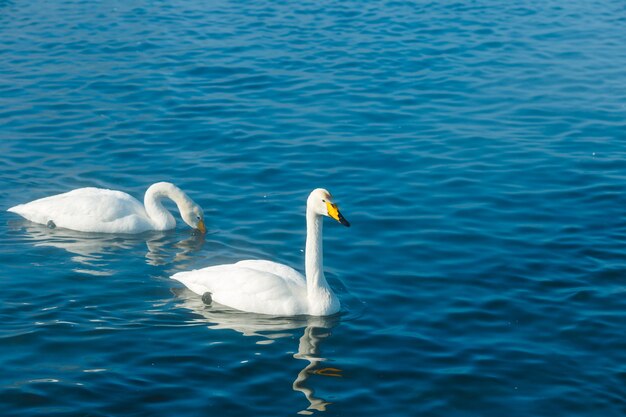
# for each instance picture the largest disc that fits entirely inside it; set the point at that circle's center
(201, 226)
(334, 212)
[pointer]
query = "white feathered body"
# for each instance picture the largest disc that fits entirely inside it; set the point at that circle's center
(89, 210)
(267, 287)
(257, 286)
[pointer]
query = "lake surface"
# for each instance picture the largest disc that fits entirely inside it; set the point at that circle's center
(477, 148)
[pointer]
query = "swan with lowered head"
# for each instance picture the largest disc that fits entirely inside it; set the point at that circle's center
(107, 211)
(267, 287)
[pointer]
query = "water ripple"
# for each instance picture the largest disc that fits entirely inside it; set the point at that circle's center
(475, 148)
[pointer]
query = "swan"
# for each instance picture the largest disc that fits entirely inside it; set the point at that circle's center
(108, 211)
(266, 287)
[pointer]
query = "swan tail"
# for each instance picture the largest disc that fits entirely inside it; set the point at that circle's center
(187, 279)
(16, 209)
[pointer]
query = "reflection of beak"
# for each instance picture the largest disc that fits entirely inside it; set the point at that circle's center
(201, 226)
(333, 212)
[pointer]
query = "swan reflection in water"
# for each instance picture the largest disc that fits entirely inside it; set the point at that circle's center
(90, 249)
(270, 328)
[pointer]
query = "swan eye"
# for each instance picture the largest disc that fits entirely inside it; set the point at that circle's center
(323, 201)
(198, 217)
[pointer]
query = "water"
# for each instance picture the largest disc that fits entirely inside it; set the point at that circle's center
(476, 148)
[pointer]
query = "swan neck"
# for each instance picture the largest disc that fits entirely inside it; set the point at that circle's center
(314, 255)
(153, 202)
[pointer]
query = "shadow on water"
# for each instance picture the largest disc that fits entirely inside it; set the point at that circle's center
(91, 249)
(270, 328)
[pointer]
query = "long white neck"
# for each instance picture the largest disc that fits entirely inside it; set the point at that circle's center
(161, 218)
(321, 298)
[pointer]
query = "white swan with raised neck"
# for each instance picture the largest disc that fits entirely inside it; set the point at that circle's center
(267, 287)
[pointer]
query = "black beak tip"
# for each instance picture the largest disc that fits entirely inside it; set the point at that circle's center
(344, 222)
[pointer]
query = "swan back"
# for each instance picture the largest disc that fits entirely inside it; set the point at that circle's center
(247, 289)
(88, 210)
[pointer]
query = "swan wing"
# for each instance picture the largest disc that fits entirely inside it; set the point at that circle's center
(88, 210)
(284, 271)
(248, 289)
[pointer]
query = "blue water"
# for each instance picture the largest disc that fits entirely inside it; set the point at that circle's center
(477, 148)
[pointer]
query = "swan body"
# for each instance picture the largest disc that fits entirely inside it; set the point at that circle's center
(267, 287)
(108, 211)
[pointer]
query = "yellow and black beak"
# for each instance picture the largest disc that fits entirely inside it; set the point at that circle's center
(201, 226)
(333, 212)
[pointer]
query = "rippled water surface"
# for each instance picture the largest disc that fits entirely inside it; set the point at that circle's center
(476, 147)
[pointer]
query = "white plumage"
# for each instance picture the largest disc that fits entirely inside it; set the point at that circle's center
(253, 286)
(108, 211)
(266, 287)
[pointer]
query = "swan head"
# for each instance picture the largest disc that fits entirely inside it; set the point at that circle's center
(193, 215)
(322, 203)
